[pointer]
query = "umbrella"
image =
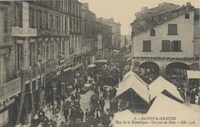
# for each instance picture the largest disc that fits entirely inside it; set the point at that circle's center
(91, 65)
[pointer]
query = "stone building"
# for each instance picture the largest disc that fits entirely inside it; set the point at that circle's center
(96, 36)
(165, 40)
(38, 40)
(116, 31)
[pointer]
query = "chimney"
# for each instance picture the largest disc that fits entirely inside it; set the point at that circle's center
(188, 6)
(86, 5)
(144, 9)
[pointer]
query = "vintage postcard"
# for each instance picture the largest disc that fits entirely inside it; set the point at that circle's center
(99, 63)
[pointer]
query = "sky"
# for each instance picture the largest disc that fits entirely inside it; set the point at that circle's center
(123, 11)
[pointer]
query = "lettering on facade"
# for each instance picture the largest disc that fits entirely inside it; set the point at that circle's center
(16, 31)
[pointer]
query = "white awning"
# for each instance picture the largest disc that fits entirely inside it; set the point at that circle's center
(167, 107)
(116, 51)
(67, 69)
(101, 61)
(91, 65)
(131, 81)
(193, 74)
(161, 84)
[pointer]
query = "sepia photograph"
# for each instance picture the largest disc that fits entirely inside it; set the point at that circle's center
(99, 63)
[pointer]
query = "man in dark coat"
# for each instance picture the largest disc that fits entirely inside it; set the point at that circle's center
(102, 103)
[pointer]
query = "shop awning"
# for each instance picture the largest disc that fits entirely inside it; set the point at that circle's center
(77, 66)
(116, 51)
(67, 69)
(91, 65)
(101, 61)
(132, 82)
(167, 107)
(193, 74)
(161, 84)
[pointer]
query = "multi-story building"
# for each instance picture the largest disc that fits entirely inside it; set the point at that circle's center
(116, 31)
(166, 40)
(96, 36)
(38, 40)
(88, 32)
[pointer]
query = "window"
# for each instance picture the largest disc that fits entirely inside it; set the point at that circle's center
(166, 45)
(176, 46)
(51, 21)
(172, 29)
(39, 50)
(187, 16)
(40, 19)
(46, 20)
(31, 18)
(19, 56)
(32, 53)
(57, 22)
(147, 46)
(152, 32)
(1, 69)
(18, 15)
(47, 50)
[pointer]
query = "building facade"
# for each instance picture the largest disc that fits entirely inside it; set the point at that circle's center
(116, 31)
(96, 36)
(39, 39)
(164, 42)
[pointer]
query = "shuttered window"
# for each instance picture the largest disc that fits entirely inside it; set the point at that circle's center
(176, 46)
(166, 45)
(172, 29)
(147, 46)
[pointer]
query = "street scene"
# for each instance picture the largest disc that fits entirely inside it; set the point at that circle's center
(80, 63)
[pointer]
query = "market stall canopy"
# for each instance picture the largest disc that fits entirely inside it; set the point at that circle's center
(131, 73)
(161, 84)
(67, 69)
(91, 65)
(101, 61)
(132, 82)
(167, 107)
(193, 74)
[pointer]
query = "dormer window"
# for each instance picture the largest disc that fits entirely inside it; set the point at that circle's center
(152, 32)
(187, 16)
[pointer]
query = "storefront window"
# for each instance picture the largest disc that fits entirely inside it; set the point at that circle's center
(4, 119)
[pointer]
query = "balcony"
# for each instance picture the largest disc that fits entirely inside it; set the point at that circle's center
(10, 89)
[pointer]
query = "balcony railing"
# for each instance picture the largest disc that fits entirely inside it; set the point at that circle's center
(10, 89)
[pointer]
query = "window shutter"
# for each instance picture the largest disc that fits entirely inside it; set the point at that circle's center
(179, 45)
(1, 70)
(172, 46)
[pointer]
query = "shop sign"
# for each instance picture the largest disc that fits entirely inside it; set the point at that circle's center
(22, 32)
(61, 61)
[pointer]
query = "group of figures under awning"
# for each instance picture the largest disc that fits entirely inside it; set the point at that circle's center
(158, 99)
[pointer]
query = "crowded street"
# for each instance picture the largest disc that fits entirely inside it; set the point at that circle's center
(99, 63)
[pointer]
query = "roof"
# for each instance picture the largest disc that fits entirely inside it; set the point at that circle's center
(167, 107)
(131, 73)
(161, 84)
(131, 81)
(193, 74)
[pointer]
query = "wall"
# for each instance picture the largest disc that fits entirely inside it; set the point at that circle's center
(185, 34)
